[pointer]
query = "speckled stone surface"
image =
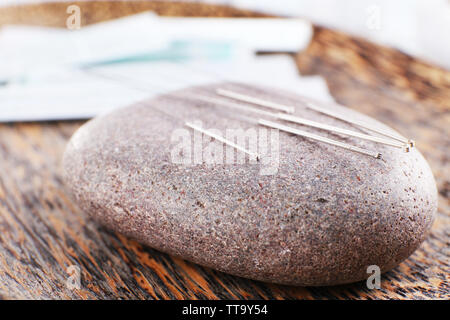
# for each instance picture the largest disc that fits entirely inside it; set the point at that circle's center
(322, 219)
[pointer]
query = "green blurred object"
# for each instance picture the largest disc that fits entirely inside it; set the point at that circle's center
(178, 51)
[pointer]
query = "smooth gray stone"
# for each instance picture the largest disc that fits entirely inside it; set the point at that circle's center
(321, 219)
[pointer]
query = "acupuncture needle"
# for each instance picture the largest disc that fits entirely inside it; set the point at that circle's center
(246, 98)
(253, 100)
(291, 109)
(188, 124)
(221, 139)
(302, 121)
(295, 131)
(313, 136)
(284, 128)
(275, 125)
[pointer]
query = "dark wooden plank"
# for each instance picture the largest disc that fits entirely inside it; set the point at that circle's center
(42, 232)
(54, 14)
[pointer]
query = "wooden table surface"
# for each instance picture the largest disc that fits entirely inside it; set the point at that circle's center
(42, 232)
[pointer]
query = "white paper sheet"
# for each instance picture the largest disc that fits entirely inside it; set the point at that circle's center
(46, 82)
(25, 49)
(74, 94)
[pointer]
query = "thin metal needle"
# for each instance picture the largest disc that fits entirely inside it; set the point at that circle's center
(299, 120)
(309, 135)
(227, 103)
(221, 139)
(336, 115)
(330, 113)
(261, 102)
(351, 133)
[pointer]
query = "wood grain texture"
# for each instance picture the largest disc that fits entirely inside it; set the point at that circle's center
(42, 232)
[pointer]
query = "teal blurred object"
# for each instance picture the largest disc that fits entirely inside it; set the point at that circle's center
(177, 51)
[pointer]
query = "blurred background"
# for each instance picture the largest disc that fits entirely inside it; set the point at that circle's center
(74, 61)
